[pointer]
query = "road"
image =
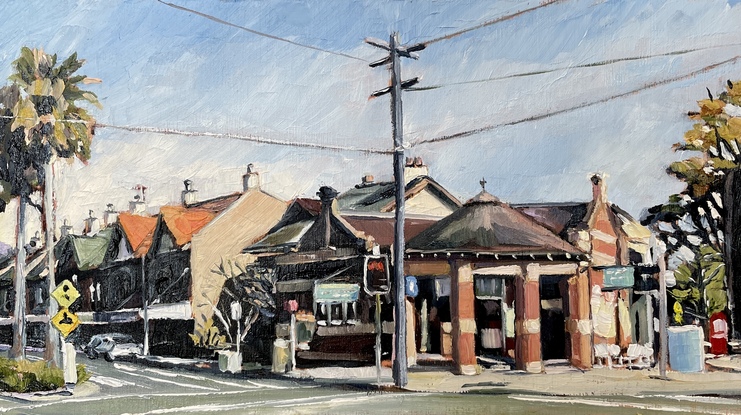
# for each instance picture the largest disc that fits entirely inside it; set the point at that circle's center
(128, 388)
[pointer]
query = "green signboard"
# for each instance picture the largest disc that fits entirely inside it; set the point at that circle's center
(336, 293)
(618, 277)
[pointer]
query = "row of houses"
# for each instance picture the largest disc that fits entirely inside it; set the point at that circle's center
(520, 283)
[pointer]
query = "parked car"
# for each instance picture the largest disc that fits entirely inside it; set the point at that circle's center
(112, 346)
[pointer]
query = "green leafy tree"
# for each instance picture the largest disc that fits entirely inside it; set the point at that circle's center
(693, 223)
(42, 121)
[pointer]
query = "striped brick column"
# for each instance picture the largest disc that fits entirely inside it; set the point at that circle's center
(527, 321)
(462, 314)
(579, 324)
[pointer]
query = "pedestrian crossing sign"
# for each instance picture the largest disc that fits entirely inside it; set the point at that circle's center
(65, 294)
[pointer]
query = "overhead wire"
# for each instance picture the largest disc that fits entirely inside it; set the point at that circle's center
(250, 138)
(468, 133)
(491, 22)
(256, 32)
(581, 66)
(242, 137)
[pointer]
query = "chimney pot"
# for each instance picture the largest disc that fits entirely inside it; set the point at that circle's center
(368, 179)
(188, 196)
(110, 216)
(599, 188)
(415, 167)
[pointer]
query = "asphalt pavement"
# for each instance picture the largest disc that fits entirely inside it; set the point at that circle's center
(135, 388)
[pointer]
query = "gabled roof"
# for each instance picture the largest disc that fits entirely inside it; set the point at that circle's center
(217, 204)
(138, 231)
(486, 225)
(183, 222)
(88, 252)
(561, 218)
(379, 197)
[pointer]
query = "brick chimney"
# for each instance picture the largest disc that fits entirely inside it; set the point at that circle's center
(110, 216)
(251, 179)
(188, 195)
(413, 168)
(328, 196)
(599, 188)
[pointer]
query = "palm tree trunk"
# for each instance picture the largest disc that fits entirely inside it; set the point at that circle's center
(18, 351)
(51, 349)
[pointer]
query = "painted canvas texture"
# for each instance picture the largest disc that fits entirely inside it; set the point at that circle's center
(370, 207)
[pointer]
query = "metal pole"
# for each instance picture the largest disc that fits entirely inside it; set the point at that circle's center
(51, 352)
(145, 305)
(379, 330)
(663, 351)
(400, 347)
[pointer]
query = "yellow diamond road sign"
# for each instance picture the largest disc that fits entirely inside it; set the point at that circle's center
(65, 321)
(65, 294)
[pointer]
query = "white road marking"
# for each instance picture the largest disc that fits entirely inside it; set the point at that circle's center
(185, 385)
(113, 397)
(202, 378)
(613, 404)
(226, 407)
(105, 380)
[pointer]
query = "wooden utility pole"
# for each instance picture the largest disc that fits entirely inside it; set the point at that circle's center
(397, 122)
(18, 350)
(51, 351)
(663, 312)
(145, 306)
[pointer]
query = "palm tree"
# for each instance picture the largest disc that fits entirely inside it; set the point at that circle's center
(47, 124)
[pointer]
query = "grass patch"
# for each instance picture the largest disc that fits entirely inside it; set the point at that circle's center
(27, 376)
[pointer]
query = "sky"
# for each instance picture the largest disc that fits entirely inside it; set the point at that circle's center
(166, 68)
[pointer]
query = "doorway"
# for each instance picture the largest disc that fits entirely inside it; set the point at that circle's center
(554, 309)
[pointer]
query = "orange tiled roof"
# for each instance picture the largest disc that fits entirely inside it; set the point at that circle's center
(184, 222)
(138, 230)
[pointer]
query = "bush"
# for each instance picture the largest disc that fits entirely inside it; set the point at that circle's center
(27, 376)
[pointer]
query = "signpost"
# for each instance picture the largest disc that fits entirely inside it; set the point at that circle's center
(66, 322)
(376, 282)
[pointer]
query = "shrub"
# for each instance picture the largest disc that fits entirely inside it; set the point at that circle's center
(27, 376)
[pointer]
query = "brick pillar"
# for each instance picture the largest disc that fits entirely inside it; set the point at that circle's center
(527, 321)
(579, 323)
(463, 318)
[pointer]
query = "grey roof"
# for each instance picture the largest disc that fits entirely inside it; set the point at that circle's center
(286, 237)
(486, 225)
(560, 218)
(379, 197)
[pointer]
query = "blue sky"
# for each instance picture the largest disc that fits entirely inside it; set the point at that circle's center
(167, 68)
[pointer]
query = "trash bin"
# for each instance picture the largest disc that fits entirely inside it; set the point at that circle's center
(280, 356)
(686, 350)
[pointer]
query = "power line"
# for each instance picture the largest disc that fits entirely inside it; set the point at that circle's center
(267, 35)
(582, 66)
(491, 22)
(577, 107)
(250, 138)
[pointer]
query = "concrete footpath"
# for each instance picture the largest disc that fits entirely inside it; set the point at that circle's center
(722, 377)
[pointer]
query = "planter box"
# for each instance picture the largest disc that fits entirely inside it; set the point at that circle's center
(230, 361)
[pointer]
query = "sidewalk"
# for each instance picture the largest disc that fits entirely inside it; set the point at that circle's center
(722, 377)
